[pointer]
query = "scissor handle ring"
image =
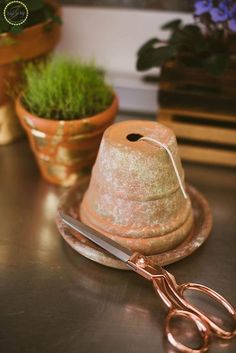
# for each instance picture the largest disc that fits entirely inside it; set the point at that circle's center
(217, 330)
(202, 329)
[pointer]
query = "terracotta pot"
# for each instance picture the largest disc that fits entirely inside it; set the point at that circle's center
(65, 150)
(134, 196)
(34, 42)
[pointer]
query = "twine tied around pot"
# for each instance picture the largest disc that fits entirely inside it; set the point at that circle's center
(156, 142)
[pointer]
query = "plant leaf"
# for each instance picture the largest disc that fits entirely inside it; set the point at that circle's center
(4, 26)
(34, 5)
(172, 25)
(155, 57)
(16, 29)
(147, 45)
(178, 38)
(192, 30)
(151, 79)
(57, 19)
(189, 35)
(215, 64)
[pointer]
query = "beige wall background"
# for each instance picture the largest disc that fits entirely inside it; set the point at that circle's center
(112, 37)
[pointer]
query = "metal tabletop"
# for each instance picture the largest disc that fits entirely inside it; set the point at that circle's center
(54, 300)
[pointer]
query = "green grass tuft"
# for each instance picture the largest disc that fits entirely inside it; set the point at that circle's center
(65, 89)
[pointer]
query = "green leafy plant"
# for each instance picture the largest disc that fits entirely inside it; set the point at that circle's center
(39, 11)
(207, 44)
(65, 89)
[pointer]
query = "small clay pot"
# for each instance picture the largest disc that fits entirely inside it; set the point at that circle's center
(65, 150)
(33, 43)
(134, 196)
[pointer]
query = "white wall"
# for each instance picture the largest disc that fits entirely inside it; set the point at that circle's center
(112, 37)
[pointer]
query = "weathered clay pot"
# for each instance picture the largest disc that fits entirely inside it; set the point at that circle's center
(65, 150)
(134, 196)
(34, 42)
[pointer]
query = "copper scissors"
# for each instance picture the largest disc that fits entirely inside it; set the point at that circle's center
(166, 286)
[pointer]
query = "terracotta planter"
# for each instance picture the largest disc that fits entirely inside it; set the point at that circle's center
(65, 150)
(134, 196)
(34, 42)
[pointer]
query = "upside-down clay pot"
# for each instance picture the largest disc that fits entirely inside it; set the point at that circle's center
(134, 196)
(65, 150)
(35, 42)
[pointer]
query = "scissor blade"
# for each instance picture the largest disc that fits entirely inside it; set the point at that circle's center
(101, 240)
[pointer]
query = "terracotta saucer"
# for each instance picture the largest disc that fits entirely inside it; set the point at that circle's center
(70, 202)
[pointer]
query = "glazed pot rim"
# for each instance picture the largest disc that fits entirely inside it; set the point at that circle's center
(37, 25)
(92, 118)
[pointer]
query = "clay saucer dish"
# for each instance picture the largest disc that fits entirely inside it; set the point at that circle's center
(70, 203)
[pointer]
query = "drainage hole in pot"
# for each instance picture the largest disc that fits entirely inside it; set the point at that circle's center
(134, 137)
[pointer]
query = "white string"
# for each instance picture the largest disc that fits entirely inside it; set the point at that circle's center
(150, 139)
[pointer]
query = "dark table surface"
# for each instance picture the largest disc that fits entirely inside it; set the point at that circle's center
(54, 300)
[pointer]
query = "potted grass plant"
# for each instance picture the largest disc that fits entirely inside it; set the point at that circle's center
(65, 107)
(29, 30)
